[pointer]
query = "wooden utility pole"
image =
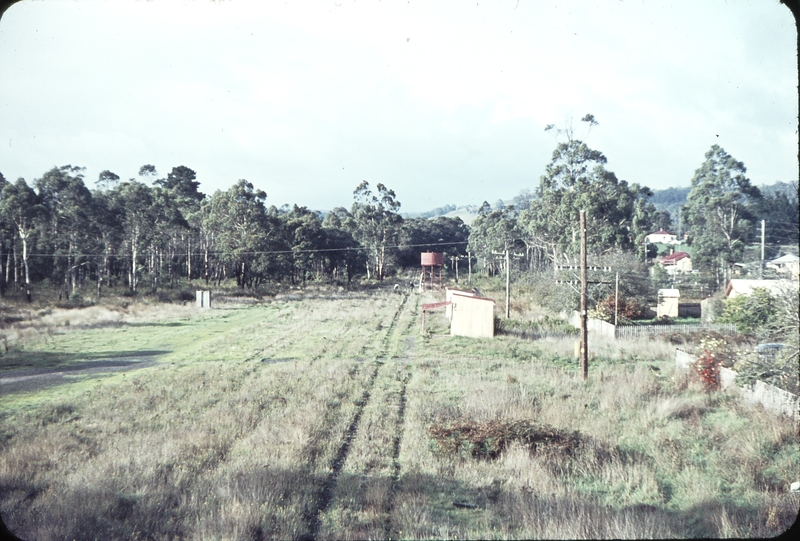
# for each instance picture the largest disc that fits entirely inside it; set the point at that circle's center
(584, 315)
(508, 287)
(469, 260)
(616, 299)
(763, 230)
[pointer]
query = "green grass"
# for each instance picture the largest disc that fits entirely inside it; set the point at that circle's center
(234, 433)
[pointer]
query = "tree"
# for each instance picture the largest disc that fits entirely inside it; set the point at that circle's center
(441, 234)
(106, 180)
(718, 212)
(780, 212)
(68, 223)
(21, 206)
(181, 182)
(241, 227)
(494, 231)
(134, 203)
(147, 171)
(307, 237)
(618, 214)
(662, 221)
(375, 224)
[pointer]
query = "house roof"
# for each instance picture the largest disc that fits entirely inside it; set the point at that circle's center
(669, 293)
(738, 287)
(674, 258)
(788, 258)
(662, 232)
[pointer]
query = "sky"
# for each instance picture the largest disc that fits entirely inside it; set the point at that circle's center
(444, 102)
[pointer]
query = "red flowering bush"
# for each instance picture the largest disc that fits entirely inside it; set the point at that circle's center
(709, 362)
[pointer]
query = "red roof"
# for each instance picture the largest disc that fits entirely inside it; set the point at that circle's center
(674, 258)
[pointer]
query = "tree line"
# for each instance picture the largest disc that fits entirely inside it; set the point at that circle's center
(132, 232)
(721, 213)
(129, 232)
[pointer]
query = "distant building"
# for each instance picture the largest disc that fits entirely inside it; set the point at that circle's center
(787, 264)
(679, 262)
(738, 287)
(662, 237)
(472, 316)
(668, 303)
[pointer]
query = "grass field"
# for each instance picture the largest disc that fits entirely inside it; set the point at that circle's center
(329, 416)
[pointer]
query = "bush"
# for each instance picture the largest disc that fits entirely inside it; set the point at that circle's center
(751, 312)
(627, 309)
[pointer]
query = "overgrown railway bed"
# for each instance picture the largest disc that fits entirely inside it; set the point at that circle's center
(324, 417)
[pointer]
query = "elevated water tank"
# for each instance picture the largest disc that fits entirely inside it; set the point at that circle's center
(432, 259)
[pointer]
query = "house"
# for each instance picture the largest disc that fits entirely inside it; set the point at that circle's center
(786, 264)
(662, 237)
(738, 287)
(677, 262)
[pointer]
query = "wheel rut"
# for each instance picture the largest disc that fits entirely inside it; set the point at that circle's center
(395, 476)
(326, 493)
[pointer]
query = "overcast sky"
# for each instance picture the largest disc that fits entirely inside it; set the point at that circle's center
(444, 102)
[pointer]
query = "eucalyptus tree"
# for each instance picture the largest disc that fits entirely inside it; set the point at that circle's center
(109, 231)
(6, 234)
(307, 239)
(168, 226)
(719, 213)
(618, 214)
(493, 232)
(376, 224)
(107, 180)
(67, 224)
(134, 202)
(440, 234)
(241, 227)
(341, 246)
(20, 205)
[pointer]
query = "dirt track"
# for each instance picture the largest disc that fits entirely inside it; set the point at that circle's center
(34, 379)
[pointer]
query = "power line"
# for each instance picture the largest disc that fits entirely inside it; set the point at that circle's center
(265, 252)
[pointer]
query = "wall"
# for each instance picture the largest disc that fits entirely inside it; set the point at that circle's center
(770, 397)
(689, 309)
(472, 316)
(448, 297)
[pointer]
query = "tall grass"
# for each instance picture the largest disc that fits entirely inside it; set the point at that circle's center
(235, 434)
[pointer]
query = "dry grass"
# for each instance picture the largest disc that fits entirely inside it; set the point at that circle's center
(322, 415)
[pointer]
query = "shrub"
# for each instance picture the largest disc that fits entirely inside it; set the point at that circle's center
(715, 354)
(627, 309)
(749, 312)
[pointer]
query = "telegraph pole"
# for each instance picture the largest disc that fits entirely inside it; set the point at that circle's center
(469, 261)
(584, 315)
(616, 299)
(508, 286)
(763, 229)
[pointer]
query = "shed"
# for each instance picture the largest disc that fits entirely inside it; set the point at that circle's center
(448, 297)
(668, 303)
(472, 316)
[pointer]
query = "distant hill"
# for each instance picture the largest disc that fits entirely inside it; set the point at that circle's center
(672, 199)
(669, 199)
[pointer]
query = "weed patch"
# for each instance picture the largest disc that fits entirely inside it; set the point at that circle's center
(489, 440)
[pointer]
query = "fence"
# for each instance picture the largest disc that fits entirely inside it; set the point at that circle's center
(636, 331)
(770, 397)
